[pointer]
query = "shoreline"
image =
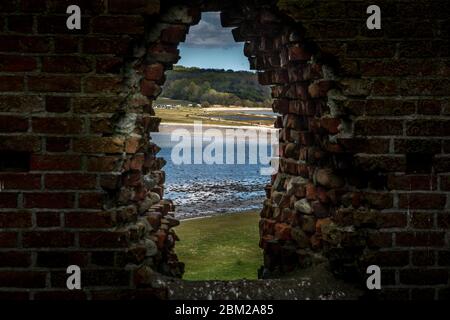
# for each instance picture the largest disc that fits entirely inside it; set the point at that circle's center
(259, 127)
(220, 214)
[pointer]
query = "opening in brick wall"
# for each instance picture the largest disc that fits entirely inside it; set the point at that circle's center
(216, 138)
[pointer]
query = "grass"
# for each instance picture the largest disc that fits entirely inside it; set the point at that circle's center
(189, 115)
(221, 247)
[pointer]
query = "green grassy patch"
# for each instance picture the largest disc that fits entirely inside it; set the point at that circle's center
(221, 247)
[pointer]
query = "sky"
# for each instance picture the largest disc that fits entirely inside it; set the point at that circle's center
(209, 45)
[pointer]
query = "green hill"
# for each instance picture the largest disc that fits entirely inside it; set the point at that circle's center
(216, 86)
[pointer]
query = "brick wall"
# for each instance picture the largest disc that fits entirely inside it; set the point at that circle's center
(363, 173)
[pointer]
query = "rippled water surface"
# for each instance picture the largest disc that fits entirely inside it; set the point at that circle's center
(201, 189)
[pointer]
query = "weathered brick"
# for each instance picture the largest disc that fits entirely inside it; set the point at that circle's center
(66, 64)
(422, 201)
(13, 124)
(57, 125)
(118, 24)
(21, 219)
(22, 279)
(99, 145)
(14, 259)
(89, 220)
(23, 181)
(424, 276)
(111, 84)
(420, 239)
(70, 181)
(13, 63)
(49, 200)
(54, 83)
(55, 162)
(47, 239)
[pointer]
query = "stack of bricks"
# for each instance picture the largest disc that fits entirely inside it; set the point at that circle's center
(364, 174)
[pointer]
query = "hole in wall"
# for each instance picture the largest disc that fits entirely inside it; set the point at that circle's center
(217, 202)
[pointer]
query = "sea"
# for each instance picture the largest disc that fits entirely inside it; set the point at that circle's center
(199, 190)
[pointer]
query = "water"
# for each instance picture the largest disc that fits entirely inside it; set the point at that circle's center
(202, 189)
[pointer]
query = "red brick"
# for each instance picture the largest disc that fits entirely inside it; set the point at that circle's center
(91, 200)
(14, 259)
(99, 145)
(443, 220)
(8, 200)
(424, 276)
(49, 24)
(378, 127)
(11, 83)
(428, 128)
(154, 72)
(22, 279)
(112, 84)
(32, 5)
(422, 220)
(24, 44)
(24, 181)
(445, 183)
(66, 44)
(109, 65)
(20, 24)
(48, 219)
(118, 25)
(61, 259)
(57, 144)
(90, 7)
(411, 182)
(417, 146)
(57, 125)
(420, 239)
(13, 124)
(70, 181)
(21, 104)
(20, 219)
(422, 201)
(107, 45)
(102, 164)
(49, 200)
(134, 6)
(66, 64)
(54, 84)
(174, 34)
(150, 88)
(57, 104)
(22, 143)
(8, 239)
(47, 239)
(390, 258)
(55, 162)
(103, 239)
(89, 220)
(423, 257)
(10, 63)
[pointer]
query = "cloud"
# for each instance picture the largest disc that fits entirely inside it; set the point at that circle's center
(209, 33)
